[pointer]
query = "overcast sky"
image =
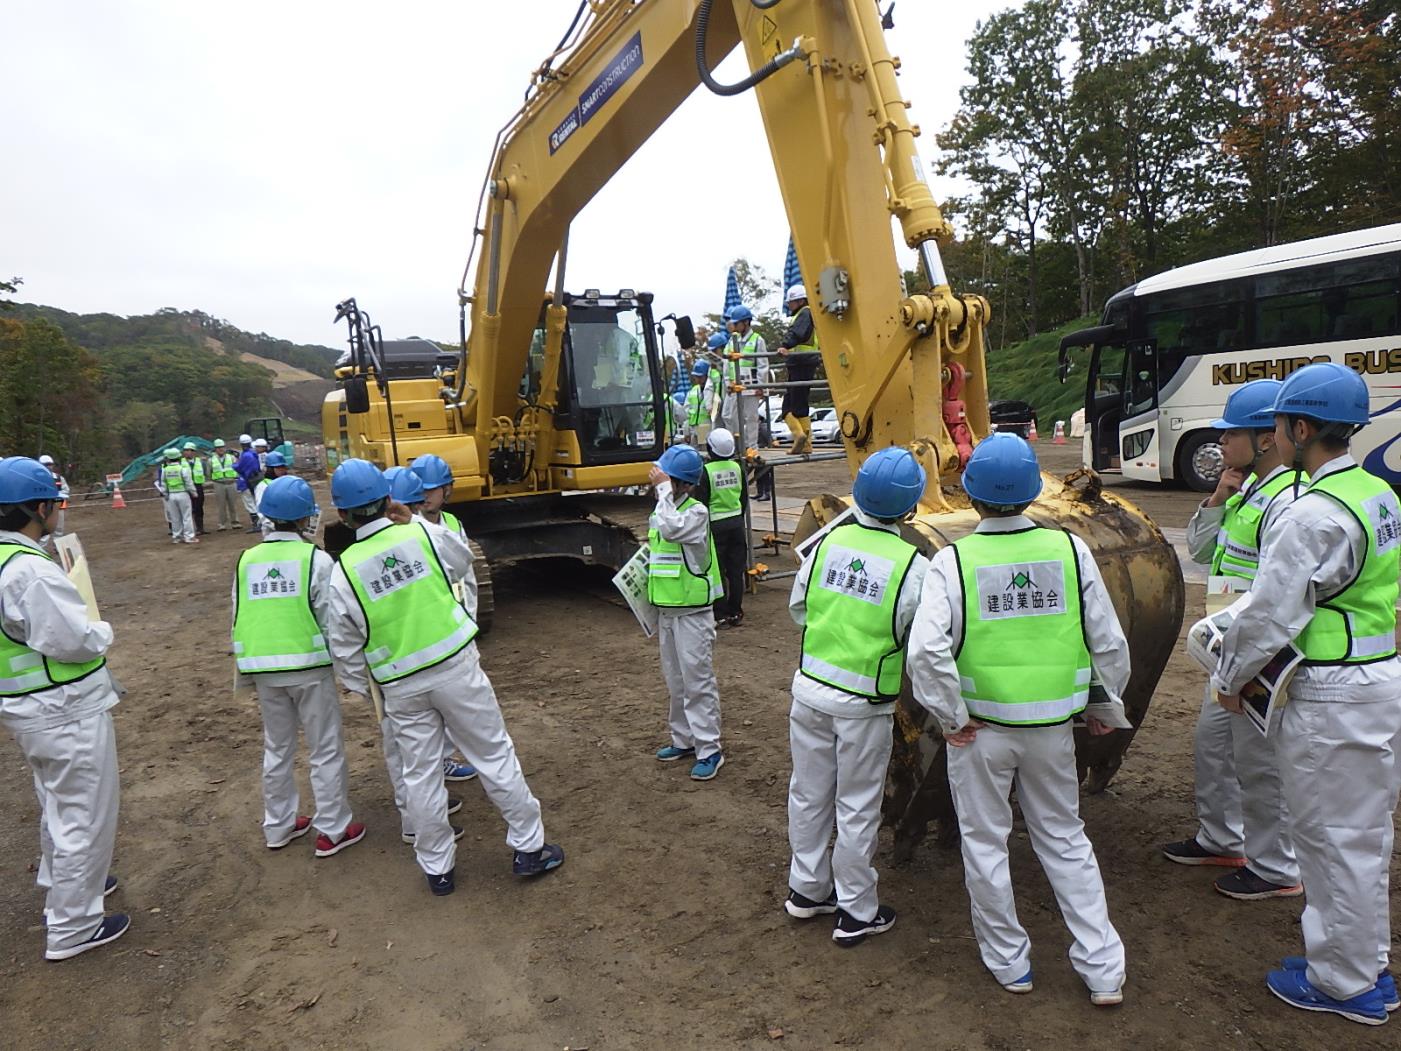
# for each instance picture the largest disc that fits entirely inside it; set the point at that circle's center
(261, 161)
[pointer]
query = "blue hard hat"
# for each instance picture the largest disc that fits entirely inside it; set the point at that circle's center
(433, 470)
(275, 460)
(24, 480)
(1003, 471)
(702, 368)
(1250, 408)
(287, 499)
(682, 463)
(357, 483)
(889, 483)
(718, 341)
(739, 313)
(406, 486)
(1324, 391)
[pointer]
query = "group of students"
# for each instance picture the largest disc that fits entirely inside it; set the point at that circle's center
(236, 481)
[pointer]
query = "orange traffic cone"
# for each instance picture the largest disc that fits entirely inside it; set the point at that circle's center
(1033, 437)
(118, 503)
(1059, 437)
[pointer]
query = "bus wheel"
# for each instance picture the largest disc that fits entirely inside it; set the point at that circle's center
(1199, 461)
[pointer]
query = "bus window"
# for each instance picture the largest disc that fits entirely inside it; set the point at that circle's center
(1203, 319)
(1141, 389)
(1352, 299)
(1109, 372)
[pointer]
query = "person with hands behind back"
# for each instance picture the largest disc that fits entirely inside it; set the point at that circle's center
(1014, 625)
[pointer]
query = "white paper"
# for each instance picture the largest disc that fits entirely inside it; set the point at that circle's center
(808, 546)
(631, 582)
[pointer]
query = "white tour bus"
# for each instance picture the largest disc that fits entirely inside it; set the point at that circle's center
(1172, 347)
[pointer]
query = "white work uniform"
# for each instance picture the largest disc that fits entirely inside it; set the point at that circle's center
(67, 737)
(1039, 761)
(452, 700)
(305, 699)
(696, 433)
(746, 404)
(1240, 798)
(687, 636)
(61, 515)
(178, 509)
(264, 523)
(1339, 741)
(841, 747)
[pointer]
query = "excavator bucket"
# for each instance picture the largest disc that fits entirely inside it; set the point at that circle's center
(1144, 579)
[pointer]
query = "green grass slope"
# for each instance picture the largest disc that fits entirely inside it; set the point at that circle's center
(1026, 371)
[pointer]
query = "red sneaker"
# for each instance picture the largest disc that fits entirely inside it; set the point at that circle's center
(301, 828)
(354, 833)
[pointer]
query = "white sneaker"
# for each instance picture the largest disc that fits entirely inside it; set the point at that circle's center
(1107, 999)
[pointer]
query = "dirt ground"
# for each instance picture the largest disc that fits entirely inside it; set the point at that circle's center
(664, 929)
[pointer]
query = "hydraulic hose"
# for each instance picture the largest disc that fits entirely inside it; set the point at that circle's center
(758, 76)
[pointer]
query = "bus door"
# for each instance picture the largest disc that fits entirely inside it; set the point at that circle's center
(1139, 438)
(1104, 406)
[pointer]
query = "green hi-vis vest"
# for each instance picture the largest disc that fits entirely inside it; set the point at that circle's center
(274, 627)
(174, 476)
(197, 470)
(670, 582)
(849, 637)
(1238, 539)
(221, 466)
(748, 345)
(1023, 660)
(725, 489)
(811, 346)
(696, 413)
(414, 620)
(1358, 624)
(23, 670)
(448, 520)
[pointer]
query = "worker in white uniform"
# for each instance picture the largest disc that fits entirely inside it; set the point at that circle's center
(683, 579)
(1014, 630)
(281, 610)
(63, 495)
(855, 598)
(702, 401)
(741, 408)
(1240, 802)
(176, 482)
(1327, 582)
(55, 696)
(398, 622)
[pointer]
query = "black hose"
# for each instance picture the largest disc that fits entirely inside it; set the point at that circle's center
(762, 74)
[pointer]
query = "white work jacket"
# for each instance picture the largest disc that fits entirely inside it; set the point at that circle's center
(689, 528)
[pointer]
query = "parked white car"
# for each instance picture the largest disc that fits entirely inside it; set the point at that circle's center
(824, 426)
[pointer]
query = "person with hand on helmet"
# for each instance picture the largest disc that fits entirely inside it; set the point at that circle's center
(1327, 582)
(683, 580)
(190, 453)
(751, 364)
(281, 617)
(225, 479)
(800, 350)
(55, 698)
(63, 495)
(1240, 803)
(176, 483)
(855, 598)
(1014, 628)
(273, 468)
(724, 490)
(249, 468)
(403, 600)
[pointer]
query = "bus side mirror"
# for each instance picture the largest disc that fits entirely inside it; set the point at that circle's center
(685, 333)
(357, 395)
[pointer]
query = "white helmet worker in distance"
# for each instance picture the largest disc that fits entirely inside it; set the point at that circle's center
(796, 294)
(245, 439)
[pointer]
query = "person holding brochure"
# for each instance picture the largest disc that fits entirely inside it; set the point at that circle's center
(1328, 582)
(1015, 636)
(1240, 805)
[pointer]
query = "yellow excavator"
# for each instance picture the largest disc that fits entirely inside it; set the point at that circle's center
(515, 419)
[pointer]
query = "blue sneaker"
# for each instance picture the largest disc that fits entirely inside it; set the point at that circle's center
(671, 753)
(1021, 985)
(706, 769)
(455, 771)
(109, 930)
(1294, 988)
(537, 862)
(1386, 983)
(110, 885)
(444, 884)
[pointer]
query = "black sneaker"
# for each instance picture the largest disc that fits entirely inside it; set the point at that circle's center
(849, 931)
(804, 908)
(454, 805)
(457, 833)
(537, 862)
(442, 885)
(110, 885)
(1190, 852)
(1244, 885)
(109, 930)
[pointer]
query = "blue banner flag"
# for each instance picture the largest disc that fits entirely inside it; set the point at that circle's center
(732, 292)
(791, 274)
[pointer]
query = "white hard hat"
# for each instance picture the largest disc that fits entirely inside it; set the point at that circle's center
(795, 292)
(721, 442)
(46, 460)
(245, 439)
(260, 443)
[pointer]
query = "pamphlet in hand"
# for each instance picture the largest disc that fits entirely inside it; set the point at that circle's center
(70, 556)
(1263, 695)
(631, 582)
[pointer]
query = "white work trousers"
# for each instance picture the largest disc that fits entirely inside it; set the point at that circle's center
(250, 504)
(1040, 760)
(746, 405)
(688, 664)
(315, 708)
(226, 499)
(465, 712)
(75, 778)
(838, 775)
(1240, 795)
(1342, 772)
(181, 515)
(394, 764)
